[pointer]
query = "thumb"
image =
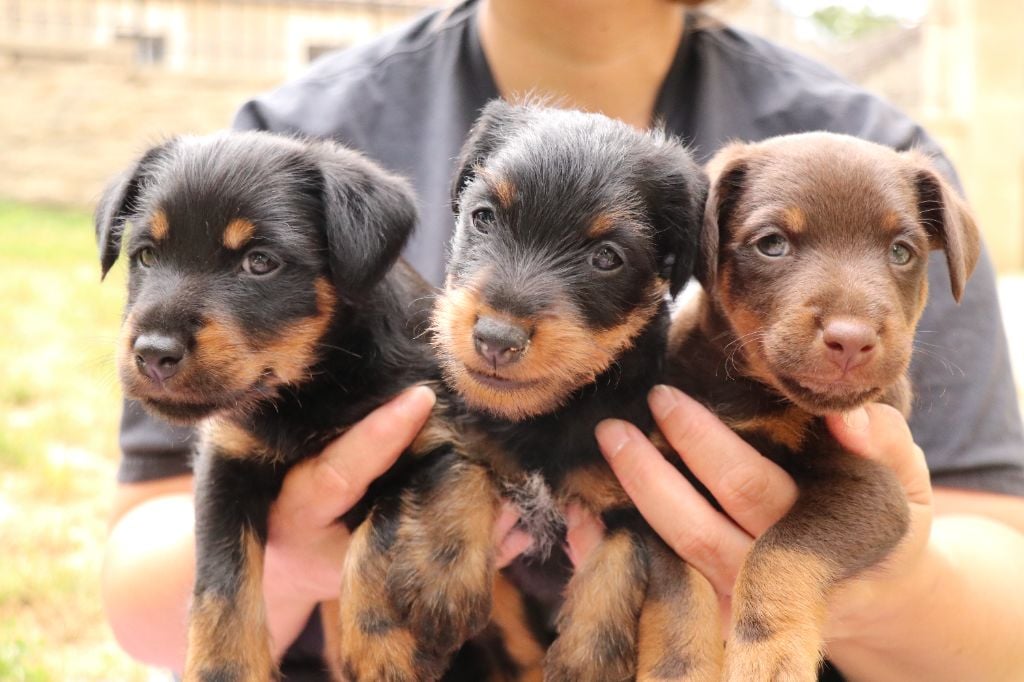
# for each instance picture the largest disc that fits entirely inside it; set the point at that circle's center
(321, 489)
(879, 432)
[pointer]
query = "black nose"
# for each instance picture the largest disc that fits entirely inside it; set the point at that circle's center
(158, 355)
(499, 342)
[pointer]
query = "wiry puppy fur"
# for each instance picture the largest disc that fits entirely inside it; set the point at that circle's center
(264, 300)
(815, 250)
(572, 232)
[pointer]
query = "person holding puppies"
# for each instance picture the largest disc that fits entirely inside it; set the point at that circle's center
(945, 605)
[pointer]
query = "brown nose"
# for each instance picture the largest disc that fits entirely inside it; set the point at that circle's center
(499, 342)
(849, 343)
(158, 356)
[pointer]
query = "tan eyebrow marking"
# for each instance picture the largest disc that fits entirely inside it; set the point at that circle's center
(891, 222)
(238, 232)
(158, 226)
(796, 219)
(503, 188)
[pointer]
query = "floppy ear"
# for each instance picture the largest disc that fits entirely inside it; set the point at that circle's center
(118, 202)
(727, 171)
(369, 214)
(678, 192)
(497, 119)
(949, 224)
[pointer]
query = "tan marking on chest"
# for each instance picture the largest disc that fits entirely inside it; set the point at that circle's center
(233, 441)
(788, 428)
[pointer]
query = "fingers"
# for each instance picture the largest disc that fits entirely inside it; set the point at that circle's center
(880, 432)
(319, 490)
(510, 541)
(676, 511)
(583, 532)
(754, 491)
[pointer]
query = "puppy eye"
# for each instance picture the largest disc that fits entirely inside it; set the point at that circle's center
(900, 253)
(258, 263)
(483, 219)
(146, 257)
(773, 245)
(606, 258)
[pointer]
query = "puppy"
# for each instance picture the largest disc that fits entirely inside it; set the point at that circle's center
(264, 300)
(572, 232)
(815, 249)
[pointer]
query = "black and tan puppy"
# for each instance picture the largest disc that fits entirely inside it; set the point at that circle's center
(262, 300)
(573, 230)
(815, 250)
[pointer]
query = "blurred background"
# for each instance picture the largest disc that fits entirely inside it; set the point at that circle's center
(88, 84)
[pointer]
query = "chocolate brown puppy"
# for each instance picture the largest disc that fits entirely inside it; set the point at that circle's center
(572, 232)
(815, 249)
(266, 301)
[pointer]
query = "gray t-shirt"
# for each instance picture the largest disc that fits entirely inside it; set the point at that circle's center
(407, 100)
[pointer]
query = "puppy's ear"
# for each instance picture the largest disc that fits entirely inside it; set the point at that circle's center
(727, 171)
(119, 202)
(369, 214)
(948, 221)
(496, 121)
(678, 191)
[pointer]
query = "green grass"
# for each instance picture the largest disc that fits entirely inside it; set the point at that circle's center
(59, 408)
(59, 326)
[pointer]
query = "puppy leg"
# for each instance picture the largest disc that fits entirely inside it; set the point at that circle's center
(443, 570)
(522, 648)
(418, 575)
(227, 635)
(679, 637)
(372, 643)
(597, 625)
(850, 515)
(507, 650)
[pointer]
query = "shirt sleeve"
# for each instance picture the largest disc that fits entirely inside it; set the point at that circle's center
(965, 414)
(151, 448)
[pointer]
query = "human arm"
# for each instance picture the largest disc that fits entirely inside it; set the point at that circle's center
(150, 554)
(944, 606)
(149, 560)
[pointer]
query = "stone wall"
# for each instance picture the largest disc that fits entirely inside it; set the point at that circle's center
(68, 125)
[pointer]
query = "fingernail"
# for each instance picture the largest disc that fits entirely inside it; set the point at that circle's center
(856, 420)
(415, 400)
(661, 400)
(613, 434)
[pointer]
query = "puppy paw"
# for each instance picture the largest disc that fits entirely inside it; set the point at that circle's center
(561, 668)
(374, 648)
(779, 658)
(608, 654)
(445, 601)
(227, 672)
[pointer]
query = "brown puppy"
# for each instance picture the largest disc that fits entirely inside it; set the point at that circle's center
(815, 249)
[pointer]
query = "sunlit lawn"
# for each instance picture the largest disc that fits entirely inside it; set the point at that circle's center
(59, 408)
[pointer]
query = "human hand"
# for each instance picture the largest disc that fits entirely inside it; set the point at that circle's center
(306, 543)
(755, 493)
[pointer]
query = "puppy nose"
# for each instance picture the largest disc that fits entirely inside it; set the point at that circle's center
(849, 343)
(158, 355)
(499, 342)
